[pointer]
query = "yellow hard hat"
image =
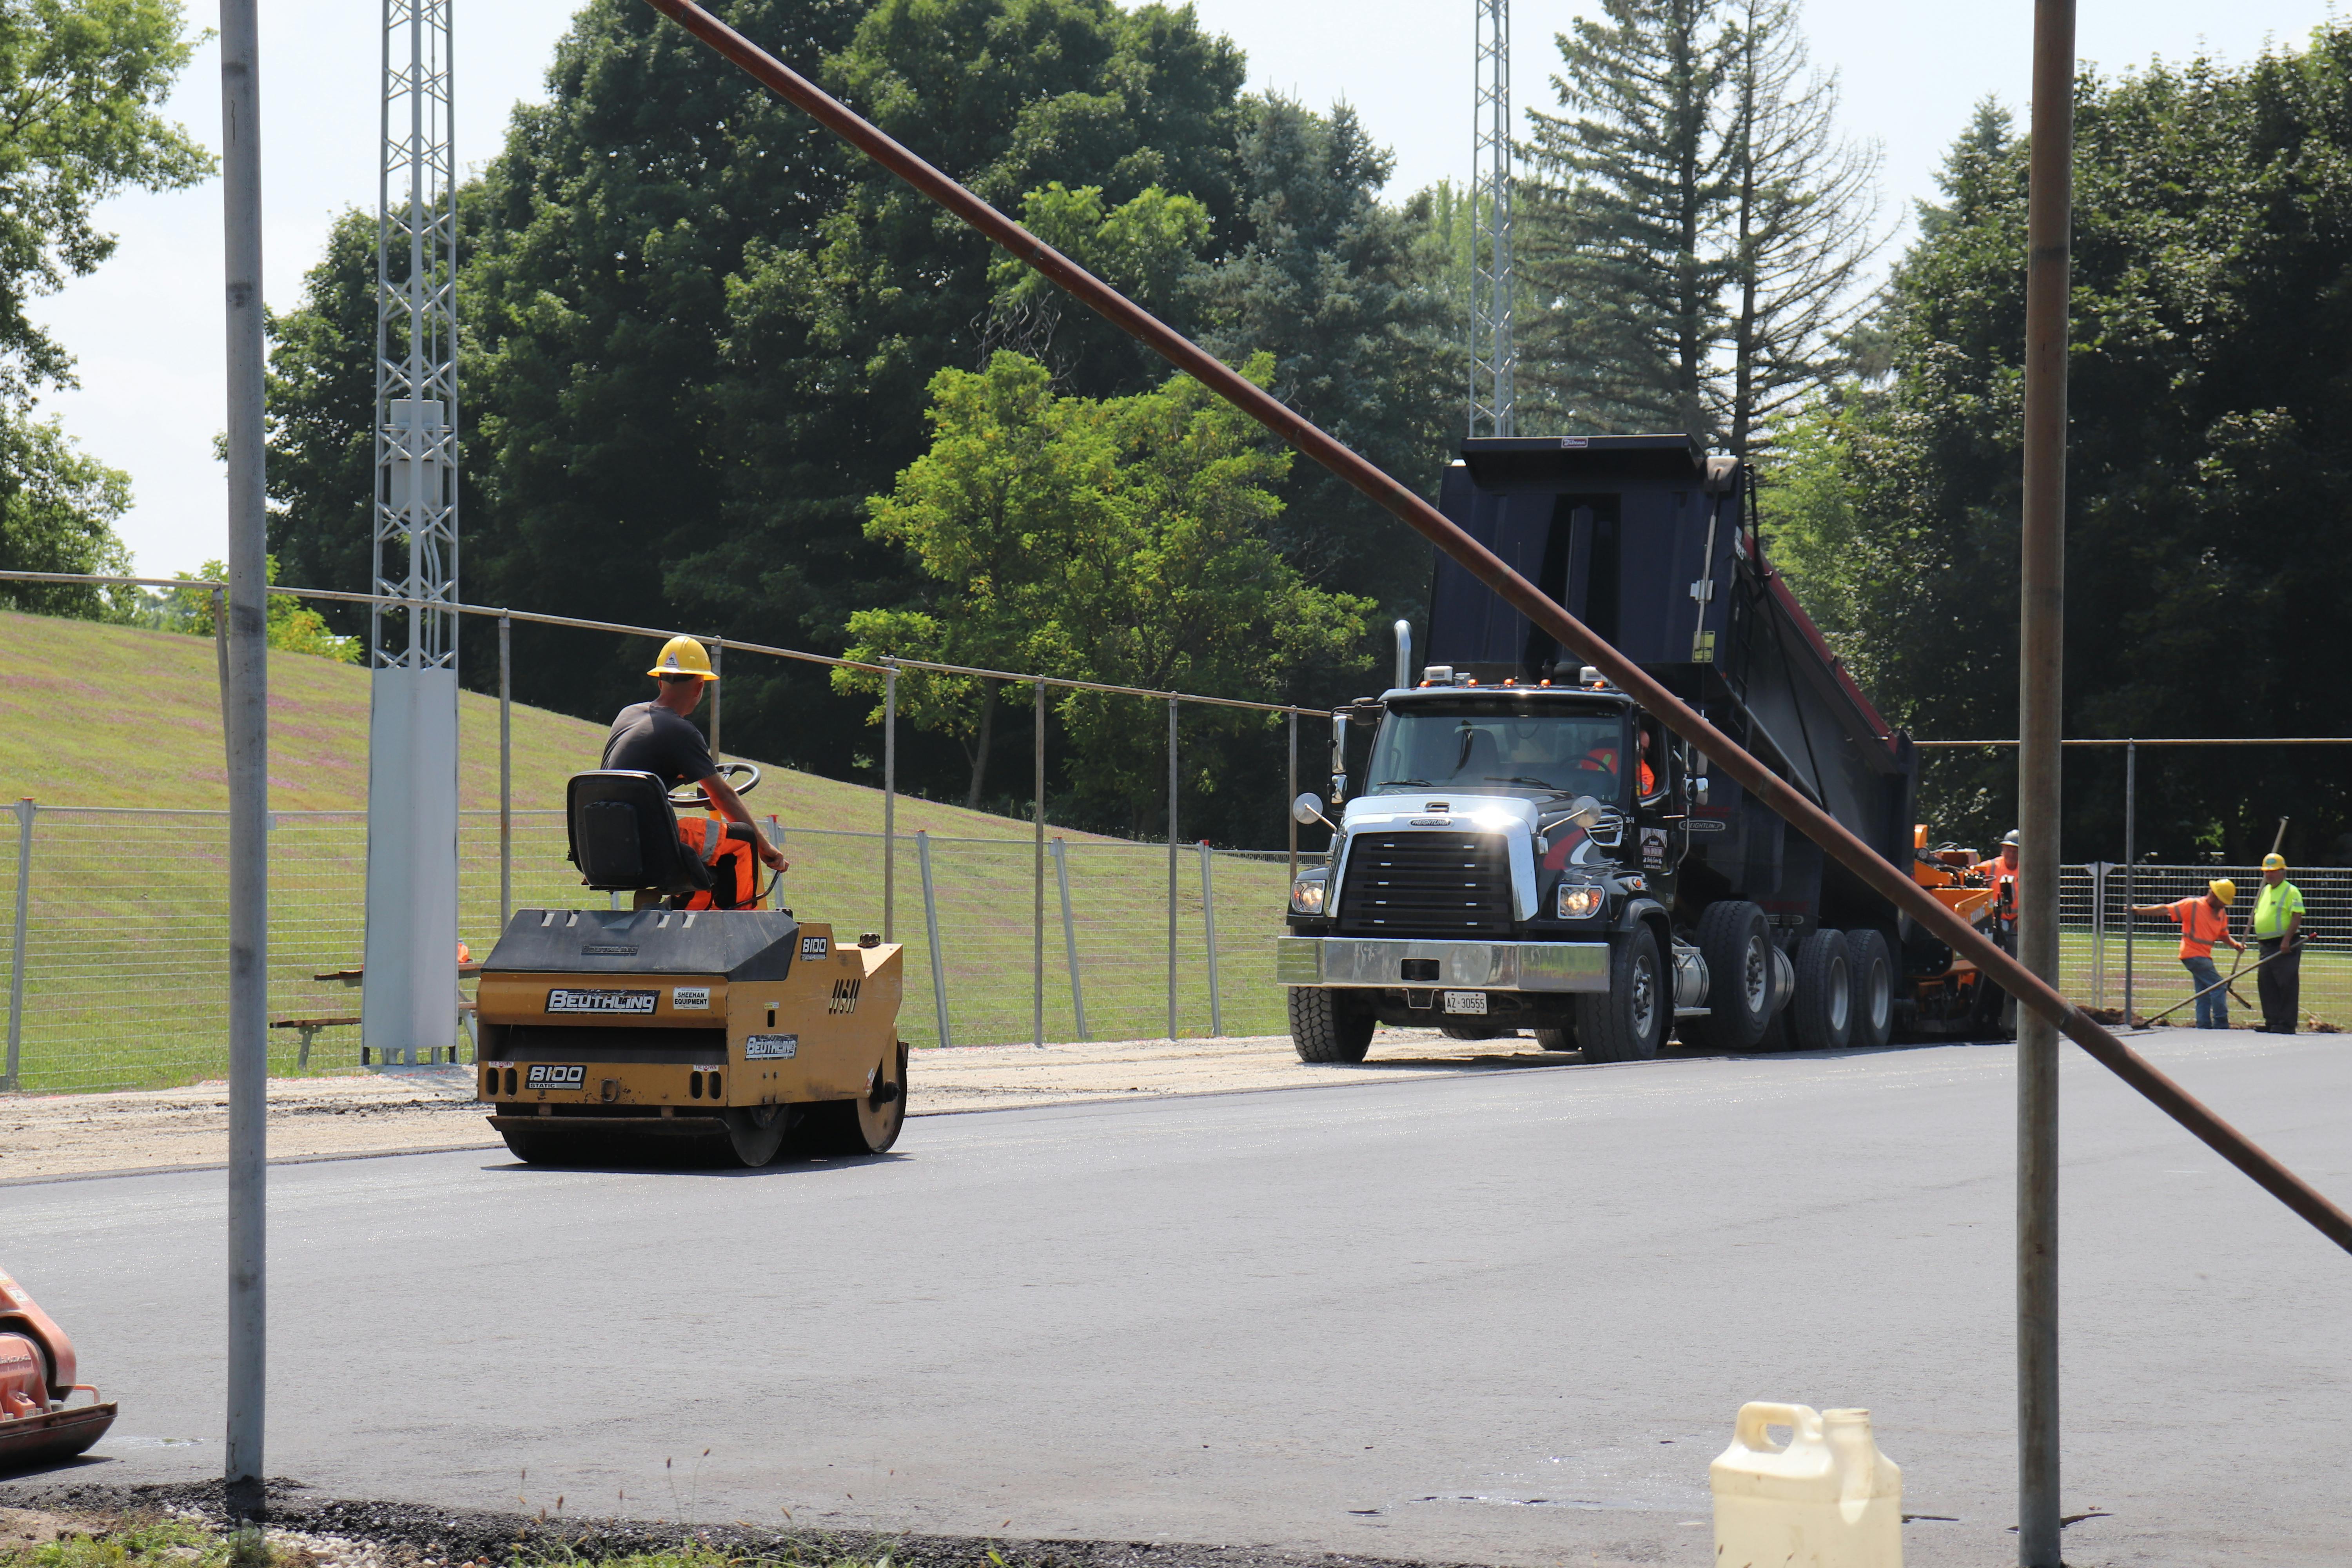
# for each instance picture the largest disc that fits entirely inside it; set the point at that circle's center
(683, 656)
(2225, 889)
(2273, 862)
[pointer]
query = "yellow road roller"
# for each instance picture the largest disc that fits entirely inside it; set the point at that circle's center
(677, 1027)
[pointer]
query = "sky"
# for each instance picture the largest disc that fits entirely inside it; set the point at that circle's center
(147, 327)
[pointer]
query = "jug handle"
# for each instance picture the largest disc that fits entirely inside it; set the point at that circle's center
(1748, 1431)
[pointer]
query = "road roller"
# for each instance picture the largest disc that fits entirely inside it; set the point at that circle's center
(695, 1024)
(39, 1425)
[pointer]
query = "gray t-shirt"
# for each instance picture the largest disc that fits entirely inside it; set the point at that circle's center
(647, 738)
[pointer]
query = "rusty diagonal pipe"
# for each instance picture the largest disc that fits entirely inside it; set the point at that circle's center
(1522, 596)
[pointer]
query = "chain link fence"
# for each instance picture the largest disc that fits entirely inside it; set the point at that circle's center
(118, 962)
(114, 927)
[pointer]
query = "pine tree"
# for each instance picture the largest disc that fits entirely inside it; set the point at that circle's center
(1630, 192)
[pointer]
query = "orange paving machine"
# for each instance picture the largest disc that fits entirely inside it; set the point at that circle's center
(38, 1425)
(1949, 995)
(675, 1026)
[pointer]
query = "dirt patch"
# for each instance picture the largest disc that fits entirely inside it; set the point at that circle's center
(417, 1110)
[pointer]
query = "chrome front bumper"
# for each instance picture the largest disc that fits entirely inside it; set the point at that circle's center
(1466, 965)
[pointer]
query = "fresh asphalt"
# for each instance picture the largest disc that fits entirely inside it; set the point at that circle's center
(1504, 1317)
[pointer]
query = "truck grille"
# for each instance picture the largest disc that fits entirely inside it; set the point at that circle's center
(1427, 884)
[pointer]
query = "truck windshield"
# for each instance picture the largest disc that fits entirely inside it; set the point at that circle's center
(1500, 750)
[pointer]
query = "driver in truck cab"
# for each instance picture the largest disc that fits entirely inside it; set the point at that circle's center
(655, 738)
(1603, 759)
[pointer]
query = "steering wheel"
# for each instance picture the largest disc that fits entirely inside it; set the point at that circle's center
(743, 777)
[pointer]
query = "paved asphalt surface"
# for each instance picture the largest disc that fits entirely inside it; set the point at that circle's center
(1502, 1318)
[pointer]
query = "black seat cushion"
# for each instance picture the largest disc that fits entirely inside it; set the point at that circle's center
(624, 834)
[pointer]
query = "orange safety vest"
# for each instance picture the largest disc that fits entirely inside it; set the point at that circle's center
(2003, 881)
(2200, 928)
(734, 869)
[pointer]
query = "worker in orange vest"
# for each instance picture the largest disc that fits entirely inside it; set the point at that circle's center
(2202, 923)
(2000, 874)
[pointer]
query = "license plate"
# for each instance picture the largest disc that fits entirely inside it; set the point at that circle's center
(1466, 1001)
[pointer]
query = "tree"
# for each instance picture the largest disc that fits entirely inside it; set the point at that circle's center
(289, 625)
(1696, 230)
(1804, 209)
(80, 83)
(1340, 290)
(58, 510)
(2208, 457)
(1623, 237)
(322, 423)
(1122, 541)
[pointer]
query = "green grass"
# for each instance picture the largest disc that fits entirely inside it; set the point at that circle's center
(125, 956)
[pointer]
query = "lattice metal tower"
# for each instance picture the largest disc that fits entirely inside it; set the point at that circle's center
(1493, 360)
(408, 1008)
(416, 341)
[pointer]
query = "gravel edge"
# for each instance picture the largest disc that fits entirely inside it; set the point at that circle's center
(457, 1534)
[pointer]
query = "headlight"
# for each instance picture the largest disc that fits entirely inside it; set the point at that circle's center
(1307, 896)
(1579, 899)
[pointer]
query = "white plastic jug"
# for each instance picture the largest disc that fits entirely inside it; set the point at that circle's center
(1828, 1499)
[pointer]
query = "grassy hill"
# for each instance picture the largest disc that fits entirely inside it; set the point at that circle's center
(118, 740)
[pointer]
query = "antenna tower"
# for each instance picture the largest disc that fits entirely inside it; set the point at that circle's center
(408, 1007)
(1492, 282)
(416, 344)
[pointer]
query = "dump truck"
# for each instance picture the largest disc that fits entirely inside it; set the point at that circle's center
(675, 1027)
(1517, 845)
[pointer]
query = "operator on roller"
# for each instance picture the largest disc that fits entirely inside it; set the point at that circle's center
(2000, 874)
(655, 738)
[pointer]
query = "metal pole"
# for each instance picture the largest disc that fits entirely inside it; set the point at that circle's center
(25, 810)
(2042, 605)
(931, 929)
(718, 651)
(1209, 917)
(1870, 868)
(506, 770)
(1293, 794)
(220, 650)
(1070, 938)
(1171, 867)
(2131, 801)
(1037, 870)
(889, 802)
(248, 729)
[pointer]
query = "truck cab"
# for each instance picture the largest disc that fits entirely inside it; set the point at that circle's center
(1504, 851)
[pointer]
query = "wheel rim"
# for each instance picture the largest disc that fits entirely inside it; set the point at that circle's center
(1756, 974)
(1841, 989)
(1642, 1006)
(1882, 999)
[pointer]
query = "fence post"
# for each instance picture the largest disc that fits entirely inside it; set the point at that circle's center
(2098, 874)
(1209, 915)
(931, 928)
(24, 810)
(1291, 795)
(1037, 878)
(2131, 800)
(1172, 868)
(718, 651)
(889, 802)
(506, 770)
(1070, 937)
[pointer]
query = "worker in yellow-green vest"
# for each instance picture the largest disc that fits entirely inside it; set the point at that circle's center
(2278, 927)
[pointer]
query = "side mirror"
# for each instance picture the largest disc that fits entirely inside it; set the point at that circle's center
(1585, 811)
(1698, 789)
(1307, 809)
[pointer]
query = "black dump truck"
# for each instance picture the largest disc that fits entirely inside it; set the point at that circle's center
(1518, 844)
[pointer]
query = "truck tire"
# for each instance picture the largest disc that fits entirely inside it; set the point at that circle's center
(1873, 987)
(1738, 946)
(1627, 1023)
(1329, 1026)
(1822, 1014)
(1556, 1040)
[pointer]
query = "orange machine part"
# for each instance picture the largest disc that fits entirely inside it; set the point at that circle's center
(24, 1377)
(20, 1314)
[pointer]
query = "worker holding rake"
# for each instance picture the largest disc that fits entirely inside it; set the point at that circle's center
(2278, 929)
(2202, 923)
